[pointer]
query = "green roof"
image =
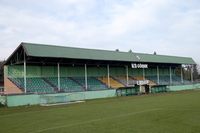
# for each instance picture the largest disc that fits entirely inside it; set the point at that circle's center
(40, 50)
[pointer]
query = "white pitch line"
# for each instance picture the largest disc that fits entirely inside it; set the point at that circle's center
(95, 120)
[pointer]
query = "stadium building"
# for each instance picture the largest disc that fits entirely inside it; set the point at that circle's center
(37, 73)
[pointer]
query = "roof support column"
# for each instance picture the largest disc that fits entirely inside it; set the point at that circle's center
(158, 76)
(108, 75)
(86, 83)
(127, 77)
(181, 74)
(58, 66)
(25, 90)
(170, 74)
(191, 72)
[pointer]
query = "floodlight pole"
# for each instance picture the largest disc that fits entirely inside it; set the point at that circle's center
(108, 70)
(127, 77)
(25, 89)
(191, 70)
(86, 84)
(170, 74)
(58, 76)
(158, 75)
(181, 74)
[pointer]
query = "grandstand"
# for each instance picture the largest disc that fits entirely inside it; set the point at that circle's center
(48, 69)
(36, 68)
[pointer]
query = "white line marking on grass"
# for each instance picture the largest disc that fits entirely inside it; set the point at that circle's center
(57, 104)
(95, 120)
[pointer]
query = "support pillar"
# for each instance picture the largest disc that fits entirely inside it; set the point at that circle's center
(191, 72)
(108, 72)
(25, 85)
(170, 74)
(58, 66)
(158, 76)
(86, 83)
(127, 76)
(181, 74)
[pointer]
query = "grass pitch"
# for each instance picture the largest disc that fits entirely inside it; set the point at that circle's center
(162, 113)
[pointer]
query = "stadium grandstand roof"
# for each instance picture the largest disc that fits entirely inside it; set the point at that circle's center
(52, 51)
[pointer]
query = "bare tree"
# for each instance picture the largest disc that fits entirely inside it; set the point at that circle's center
(198, 70)
(195, 72)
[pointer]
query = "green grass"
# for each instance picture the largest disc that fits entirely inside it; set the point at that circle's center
(164, 113)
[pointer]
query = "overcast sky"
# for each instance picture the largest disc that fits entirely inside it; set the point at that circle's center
(170, 27)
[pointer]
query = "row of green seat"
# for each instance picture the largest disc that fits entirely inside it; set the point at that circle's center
(165, 80)
(50, 84)
(33, 85)
(66, 84)
(92, 83)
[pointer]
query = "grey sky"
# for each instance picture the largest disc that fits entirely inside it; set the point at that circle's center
(169, 27)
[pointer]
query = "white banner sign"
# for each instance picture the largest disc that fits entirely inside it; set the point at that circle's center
(142, 82)
(134, 65)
